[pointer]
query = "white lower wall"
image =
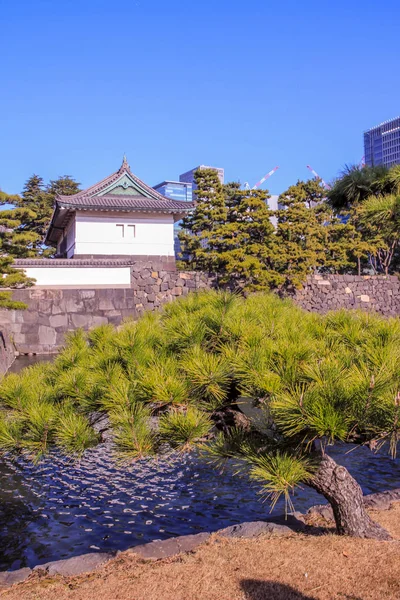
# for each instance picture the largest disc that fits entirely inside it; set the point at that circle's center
(116, 234)
(80, 277)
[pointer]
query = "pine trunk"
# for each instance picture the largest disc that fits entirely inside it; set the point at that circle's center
(345, 496)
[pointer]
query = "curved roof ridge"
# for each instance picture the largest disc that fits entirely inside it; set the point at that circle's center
(104, 183)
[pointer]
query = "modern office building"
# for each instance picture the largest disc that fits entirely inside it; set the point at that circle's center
(176, 190)
(382, 144)
(188, 177)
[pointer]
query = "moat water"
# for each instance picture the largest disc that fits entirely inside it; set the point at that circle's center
(59, 509)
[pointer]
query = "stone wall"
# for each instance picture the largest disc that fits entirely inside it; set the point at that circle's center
(52, 312)
(7, 351)
(41, 328)
(378, 293)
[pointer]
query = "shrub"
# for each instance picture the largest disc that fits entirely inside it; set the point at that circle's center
(181, 429)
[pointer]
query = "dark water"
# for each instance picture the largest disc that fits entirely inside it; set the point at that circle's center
(27, 361)
(58, 509)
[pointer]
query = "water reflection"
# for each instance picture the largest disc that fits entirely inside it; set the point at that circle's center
(27, 361)
(59, 509)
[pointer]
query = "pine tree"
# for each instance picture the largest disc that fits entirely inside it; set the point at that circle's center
(38, 201)
(230, 233)
(250, 246)
(38, 206)
(65, 185)
(301, 235)
(200, 233)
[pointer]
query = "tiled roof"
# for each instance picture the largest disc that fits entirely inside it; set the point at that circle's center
(124, 202)
(73, 262)
(92, 194)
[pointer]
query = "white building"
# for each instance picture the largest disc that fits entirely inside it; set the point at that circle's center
(105, 232)
(120, 216)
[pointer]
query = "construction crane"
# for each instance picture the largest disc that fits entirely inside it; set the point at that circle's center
(361, 164)
(328, 187)
(267, 176)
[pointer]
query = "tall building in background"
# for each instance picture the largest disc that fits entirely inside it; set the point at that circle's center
(183, 190)
(382, 144)
(176, 190)
(188, 177)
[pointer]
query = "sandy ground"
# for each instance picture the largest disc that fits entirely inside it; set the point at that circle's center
(296, 567)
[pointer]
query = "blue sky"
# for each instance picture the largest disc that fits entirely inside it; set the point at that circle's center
(246, 85)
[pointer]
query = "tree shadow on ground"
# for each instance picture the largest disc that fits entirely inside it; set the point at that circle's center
(255, 589)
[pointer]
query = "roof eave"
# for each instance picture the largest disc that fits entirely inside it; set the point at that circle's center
(177, 210)
(56, 224)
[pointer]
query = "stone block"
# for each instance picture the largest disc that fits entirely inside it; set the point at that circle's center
(85, 294)
(154, 274)
(29, 328)
(29, 316)
(9, 578)
(43, 320)
(148, 281)
(364, 298)
(19, 338)
(75, 565)
(184, 275)
(164, 287)
(323, 282)
(348, 290)
(145, 273)
(254, 529)
(106, 303)
(177, 291)
(98, 320)
(47, 335)
(120, 300)
(80, 320)
(112, 313)
(73, 304)
(165, 548)
(180, 282)
(91, 304)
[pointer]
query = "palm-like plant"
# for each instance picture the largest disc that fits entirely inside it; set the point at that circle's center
(381, 214)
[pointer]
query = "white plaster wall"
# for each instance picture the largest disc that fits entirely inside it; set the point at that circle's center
(100, 233)
(80, 277)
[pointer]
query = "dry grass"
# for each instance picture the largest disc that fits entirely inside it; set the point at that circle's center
(296, 567)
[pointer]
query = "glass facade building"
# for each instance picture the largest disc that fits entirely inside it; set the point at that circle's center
(382, 144)
(177, 190)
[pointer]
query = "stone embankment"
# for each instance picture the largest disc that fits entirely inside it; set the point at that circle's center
(378, 293)
(52, 312)
(7, 350)
(187, 543)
